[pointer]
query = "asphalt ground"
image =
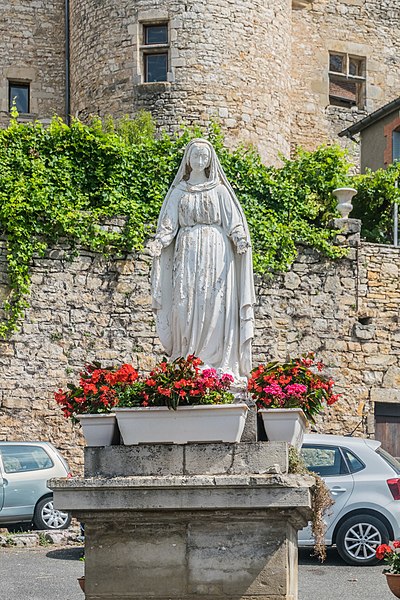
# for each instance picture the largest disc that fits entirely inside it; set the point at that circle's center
(51, 574)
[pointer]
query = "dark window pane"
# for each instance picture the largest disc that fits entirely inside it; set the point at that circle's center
(17, 459)
(20, 95)
(396, 145)
(336, 63)
(354, 463)
(325, 461)
(356, 67)
(156, 66)
(156, 34)
(343, 93)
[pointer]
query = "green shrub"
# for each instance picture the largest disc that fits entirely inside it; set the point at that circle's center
(62, 182)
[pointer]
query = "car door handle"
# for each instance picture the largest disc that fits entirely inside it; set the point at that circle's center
(337, 490)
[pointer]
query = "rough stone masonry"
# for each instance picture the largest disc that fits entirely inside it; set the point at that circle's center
(347, 311)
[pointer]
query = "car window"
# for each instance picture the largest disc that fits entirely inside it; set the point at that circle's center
(324, 460)
(391, 460)
(354, 463)
(19, 459)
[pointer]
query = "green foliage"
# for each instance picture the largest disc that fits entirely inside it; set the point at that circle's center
(63, 182)
(373, 204)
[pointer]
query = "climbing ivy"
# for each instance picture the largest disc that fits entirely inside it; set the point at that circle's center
(373, 204)
(60, 182)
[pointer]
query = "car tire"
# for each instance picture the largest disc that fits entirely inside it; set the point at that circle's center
(358, 537)
(47, 517)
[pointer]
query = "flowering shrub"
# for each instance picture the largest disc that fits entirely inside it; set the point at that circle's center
(390, 554)
(98, 390)
(169, 384)
(293, 384)
(181, 382)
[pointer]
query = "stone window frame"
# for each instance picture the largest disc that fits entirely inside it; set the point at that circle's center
(346, 76)
(148, 49)
(21, 74)
(26, 83)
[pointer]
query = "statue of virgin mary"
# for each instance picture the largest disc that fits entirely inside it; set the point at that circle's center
(202, 276)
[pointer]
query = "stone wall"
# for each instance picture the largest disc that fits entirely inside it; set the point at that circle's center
(366, 28)
(228, 61)
(90, 308)
(32, 43)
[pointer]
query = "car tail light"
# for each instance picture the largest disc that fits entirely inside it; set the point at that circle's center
(394, 487)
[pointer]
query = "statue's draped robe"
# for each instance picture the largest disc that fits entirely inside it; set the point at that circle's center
(203, 292)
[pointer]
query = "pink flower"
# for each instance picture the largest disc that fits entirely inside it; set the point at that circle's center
(296, 389)
(227, 378)
(209, 373)
(274, 390)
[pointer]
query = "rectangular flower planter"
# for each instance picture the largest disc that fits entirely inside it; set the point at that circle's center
(204, 423)
(99, 430)
(284, 425)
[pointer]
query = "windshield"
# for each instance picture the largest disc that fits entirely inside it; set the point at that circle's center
(391, 460)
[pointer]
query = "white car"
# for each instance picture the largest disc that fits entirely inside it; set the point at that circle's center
(25, 468)
(364, 481)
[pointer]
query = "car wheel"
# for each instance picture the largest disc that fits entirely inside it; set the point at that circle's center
(358, 537)
(47, 517)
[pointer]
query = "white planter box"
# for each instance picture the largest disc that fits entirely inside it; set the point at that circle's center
(99, 430)
(284, 425)
(205, 423)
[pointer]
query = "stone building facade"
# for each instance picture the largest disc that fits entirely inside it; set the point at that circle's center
(347, 311)
(276, 74)
(32, 51)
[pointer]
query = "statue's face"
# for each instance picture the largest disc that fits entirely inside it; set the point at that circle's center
(199, 157)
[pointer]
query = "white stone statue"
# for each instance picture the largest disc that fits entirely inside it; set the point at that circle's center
(202, 276)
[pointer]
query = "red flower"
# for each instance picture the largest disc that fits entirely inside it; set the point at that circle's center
(96, 375)
(382, 550)
(111, 378)
(332, 399)
(164, 391)
(60, 397)
(396, 544)
(126, 374)
(88, 387)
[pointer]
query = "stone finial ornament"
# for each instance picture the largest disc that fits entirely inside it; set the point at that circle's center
(202, 275)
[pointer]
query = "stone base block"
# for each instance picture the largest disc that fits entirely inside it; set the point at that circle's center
(186, 459)
(189, 522)
(191, 555)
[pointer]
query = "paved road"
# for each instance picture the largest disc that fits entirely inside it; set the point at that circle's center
(46, 574)
(40, 574)
(334, 580)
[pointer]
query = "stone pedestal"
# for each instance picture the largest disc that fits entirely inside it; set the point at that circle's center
(350, 230)
(193, 522)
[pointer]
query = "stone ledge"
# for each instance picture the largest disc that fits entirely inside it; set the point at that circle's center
(197, 493)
